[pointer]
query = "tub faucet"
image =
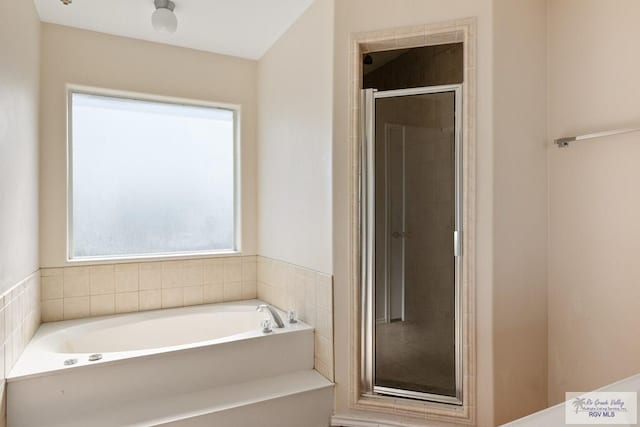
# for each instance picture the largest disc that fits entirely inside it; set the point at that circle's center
(274, 314)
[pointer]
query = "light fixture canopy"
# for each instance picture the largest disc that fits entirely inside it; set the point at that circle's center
(163, 19)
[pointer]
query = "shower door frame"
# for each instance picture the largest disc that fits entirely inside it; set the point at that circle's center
(367, 258)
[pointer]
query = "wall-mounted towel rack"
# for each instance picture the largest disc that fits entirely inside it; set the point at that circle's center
(564, 142)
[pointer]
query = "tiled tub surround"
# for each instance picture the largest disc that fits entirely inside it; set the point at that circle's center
(310, 294)
(98, 290)
(19, 320)
(184, 366)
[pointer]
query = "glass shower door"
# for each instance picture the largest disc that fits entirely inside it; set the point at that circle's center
(413, 206)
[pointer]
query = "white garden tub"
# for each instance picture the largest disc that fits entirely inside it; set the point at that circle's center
(148, 355)
(141, 334)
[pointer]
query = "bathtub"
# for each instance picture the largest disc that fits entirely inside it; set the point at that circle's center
(140, 334)
(88, 366)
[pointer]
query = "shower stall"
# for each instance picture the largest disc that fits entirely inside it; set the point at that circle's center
(411, 258)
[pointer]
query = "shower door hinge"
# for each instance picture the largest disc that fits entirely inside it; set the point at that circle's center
(457, 243)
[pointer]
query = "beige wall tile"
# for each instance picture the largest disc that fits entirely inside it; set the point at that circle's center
(138, 281)
(232, 270)
(52, 287)
(262, 291)
(52, 310)
(277, 274)
(8, 319)
(249, 271)
(172, 274)
(310, 297)
(280, 298)
(150, 300)
(249, 290)
(17, 347)
(192, 273)
(307, 292)
(76, 282)
(323, 348)
(3, 404)
(102, 279)
(262, 265)
(2, 328)
(250, 259)
(289, 278)
(150, 276)
(193, 295)
(324, 323)
(213, 293)
(8, 355)
(324, 291)
(127, 278)
(173, 297)
(51, 272)
(213, 271)
(233, 291)
(76, 307)
(102, 305)
(127, 302)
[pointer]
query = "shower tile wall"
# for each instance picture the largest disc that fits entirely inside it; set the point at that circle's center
(98, 290)
(310, 294)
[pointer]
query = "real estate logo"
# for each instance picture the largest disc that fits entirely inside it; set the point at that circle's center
(601, 408)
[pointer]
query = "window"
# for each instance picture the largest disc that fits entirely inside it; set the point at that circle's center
(150, 178)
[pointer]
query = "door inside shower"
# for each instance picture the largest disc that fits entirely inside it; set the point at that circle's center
(412, 212)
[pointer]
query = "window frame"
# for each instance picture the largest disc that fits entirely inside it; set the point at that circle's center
(145, 97)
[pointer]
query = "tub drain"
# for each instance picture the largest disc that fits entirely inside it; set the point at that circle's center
(70, 362)
(95, 357)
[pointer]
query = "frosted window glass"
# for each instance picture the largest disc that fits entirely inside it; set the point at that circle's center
(150, 178)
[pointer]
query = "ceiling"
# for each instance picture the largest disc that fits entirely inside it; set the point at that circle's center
(244, 28)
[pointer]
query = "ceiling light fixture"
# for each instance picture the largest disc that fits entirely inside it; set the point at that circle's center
(163, 18)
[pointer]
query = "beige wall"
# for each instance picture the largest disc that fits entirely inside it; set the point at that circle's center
(72, 56)
(520, 208)
(19, 71)
(593, 193)
(295, 80)
(369, 15)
